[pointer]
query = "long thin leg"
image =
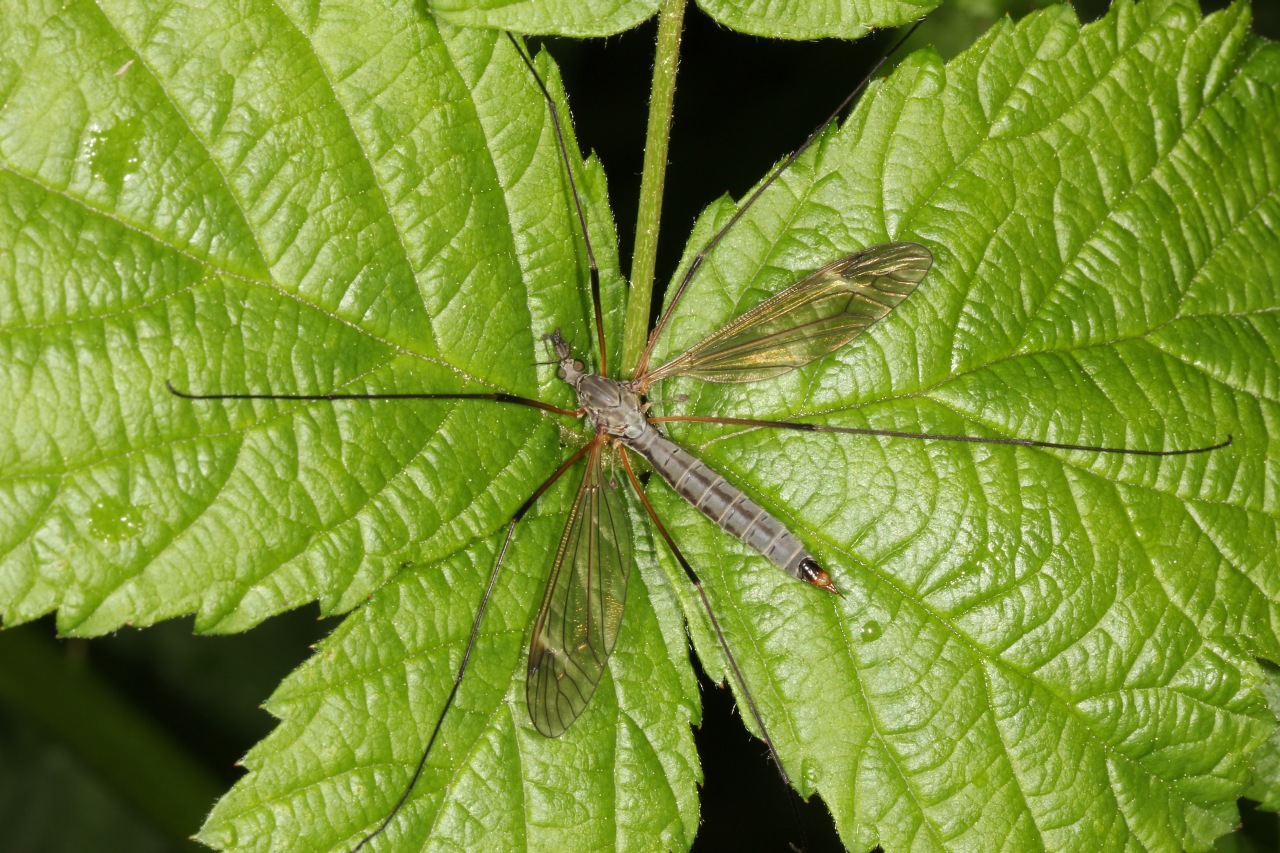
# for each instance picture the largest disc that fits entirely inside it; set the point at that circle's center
(511, 399)
(577, 204)
(471, 642)
(724, 643)
(967, 439)
(643, 366)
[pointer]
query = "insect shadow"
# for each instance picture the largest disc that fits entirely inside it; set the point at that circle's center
(580, 615)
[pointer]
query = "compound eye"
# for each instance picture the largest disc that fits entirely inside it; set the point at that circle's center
(560, 372)
(579, 366)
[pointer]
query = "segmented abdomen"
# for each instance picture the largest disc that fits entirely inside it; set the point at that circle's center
(721, 501)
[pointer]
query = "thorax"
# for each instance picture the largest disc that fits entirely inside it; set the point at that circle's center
(613, 407)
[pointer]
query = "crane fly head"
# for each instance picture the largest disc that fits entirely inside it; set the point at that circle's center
(571, 369)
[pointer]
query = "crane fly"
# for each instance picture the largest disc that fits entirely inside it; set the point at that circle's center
(581, 612)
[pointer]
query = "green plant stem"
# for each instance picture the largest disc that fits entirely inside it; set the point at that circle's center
(148, 769)
(653, 178)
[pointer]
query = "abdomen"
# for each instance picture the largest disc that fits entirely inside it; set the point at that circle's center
(724, 503)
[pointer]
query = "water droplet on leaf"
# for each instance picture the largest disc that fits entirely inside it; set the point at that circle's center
(113, 151)
(811, 774)
(871, 631)
(110, 521)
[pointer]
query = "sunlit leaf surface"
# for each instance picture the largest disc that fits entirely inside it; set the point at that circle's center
(811, 19)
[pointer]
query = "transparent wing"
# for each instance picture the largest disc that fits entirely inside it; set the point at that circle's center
(815, 316)
(581, 610)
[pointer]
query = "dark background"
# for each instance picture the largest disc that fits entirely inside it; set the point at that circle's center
(203, 693)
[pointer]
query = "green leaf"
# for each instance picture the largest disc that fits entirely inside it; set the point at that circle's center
(812, 19)
(1037, 648)
(1265, 788)
(579, 18)
(586, 18)
(795, 19)
(269, 234)
(305, 212)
